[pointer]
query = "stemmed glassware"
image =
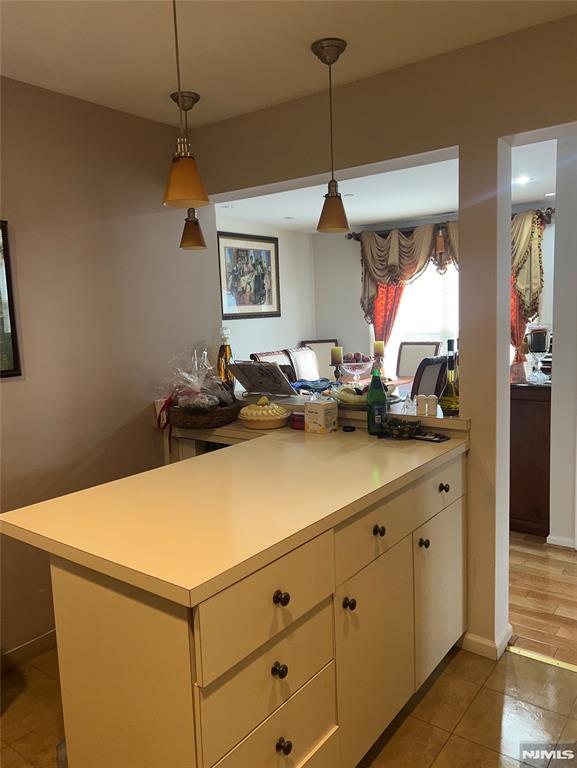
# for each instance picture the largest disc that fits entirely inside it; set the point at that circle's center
(538, 342)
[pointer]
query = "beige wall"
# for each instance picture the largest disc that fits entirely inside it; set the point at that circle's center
(504, 86)
(104, 300)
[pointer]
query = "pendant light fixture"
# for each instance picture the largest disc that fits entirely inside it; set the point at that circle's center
(184, 188)
(333, 217)
(192, 237)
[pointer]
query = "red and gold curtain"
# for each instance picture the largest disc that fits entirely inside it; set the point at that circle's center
(385, 307)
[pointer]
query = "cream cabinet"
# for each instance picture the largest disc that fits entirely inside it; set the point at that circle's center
(439, 562)
(374, 649)
(300, 663)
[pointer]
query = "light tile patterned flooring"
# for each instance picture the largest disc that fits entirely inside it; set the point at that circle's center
(543, 597)
(473, 713)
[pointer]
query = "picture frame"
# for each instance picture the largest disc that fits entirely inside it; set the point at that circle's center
(249, 276)
(9, 349)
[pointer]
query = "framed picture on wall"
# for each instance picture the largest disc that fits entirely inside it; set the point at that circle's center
(249, 276)
(9, 353)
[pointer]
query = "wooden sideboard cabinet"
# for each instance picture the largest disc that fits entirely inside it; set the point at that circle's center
(530, 459)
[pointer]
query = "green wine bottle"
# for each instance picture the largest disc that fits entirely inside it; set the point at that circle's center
(377, 405)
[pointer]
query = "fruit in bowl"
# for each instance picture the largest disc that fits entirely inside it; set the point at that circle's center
(352, 396)
(356, 357)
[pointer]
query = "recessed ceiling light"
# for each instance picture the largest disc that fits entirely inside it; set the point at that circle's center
(288, 217)
(522, 180)
(550, 194)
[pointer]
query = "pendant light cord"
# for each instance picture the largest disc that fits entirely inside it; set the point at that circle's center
(178, 85)
(331, 119)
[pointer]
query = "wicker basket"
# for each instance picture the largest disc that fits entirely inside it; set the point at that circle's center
(186, 418)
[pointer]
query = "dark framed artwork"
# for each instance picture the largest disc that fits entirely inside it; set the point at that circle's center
(9, 352)
(249, 276)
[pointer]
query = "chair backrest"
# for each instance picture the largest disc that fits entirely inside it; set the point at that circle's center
(411, 353)
(322, 349)
(431, 377)
(280, 356)
(305, 363)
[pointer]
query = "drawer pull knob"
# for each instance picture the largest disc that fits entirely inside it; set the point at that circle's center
(284, 745)
(379, 530)
(279, 670)
(444, 487)
(349, 603)
(281, 598)
(424, 543)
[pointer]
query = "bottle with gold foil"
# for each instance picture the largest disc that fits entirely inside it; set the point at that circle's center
(225, 359)
(449, 400)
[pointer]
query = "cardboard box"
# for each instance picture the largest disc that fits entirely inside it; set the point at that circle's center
(321, 417)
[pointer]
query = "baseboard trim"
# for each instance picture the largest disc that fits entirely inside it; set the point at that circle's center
(561, 541)
(483, 646)
(24, 653)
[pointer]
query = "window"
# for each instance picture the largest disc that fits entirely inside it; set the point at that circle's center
(429, 310)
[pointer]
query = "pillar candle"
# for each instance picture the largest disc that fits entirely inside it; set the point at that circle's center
(336, 355)
(379, 348)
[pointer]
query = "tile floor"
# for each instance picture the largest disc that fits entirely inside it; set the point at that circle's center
(543, 597)
(473, 713)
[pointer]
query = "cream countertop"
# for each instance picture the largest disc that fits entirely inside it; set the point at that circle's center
(189, 529)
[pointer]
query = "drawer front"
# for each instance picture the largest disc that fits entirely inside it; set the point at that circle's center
(248, 694)
(238, 620)
(361, 540)
(327, 755)
(305, 721)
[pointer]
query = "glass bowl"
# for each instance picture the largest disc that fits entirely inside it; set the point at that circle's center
(356, 369)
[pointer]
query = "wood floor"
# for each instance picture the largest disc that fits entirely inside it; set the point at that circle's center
(543, 597)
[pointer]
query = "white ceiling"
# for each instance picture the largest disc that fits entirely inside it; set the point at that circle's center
(397, 196)
(240, 55)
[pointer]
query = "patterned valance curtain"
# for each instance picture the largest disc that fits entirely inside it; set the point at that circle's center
(398, 258)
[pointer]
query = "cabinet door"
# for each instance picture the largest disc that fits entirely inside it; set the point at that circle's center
(374, 649)
(439, 551)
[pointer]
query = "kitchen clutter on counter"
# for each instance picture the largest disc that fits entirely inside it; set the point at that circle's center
(198, 398)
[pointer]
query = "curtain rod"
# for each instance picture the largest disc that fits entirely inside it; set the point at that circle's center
(546, 215)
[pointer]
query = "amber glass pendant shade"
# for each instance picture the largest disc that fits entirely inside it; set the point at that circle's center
(333, 216)
(185, 188)
(192, 238)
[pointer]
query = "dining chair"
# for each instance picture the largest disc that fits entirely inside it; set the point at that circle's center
(322, 349)
(430, 377)
(305, 364)
(410, 355)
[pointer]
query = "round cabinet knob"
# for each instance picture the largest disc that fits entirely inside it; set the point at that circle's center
(379, 530)
(279, 670)
(284, 745)
(444, 487)
(281, 598)
(349, 603)
(424, 543)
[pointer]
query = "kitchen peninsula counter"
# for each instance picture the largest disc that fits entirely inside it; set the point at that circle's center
(188, 529)
(271, 604)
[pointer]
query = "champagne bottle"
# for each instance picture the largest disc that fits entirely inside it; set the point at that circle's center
(449, 400)
(377, 404)
(224, 359)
